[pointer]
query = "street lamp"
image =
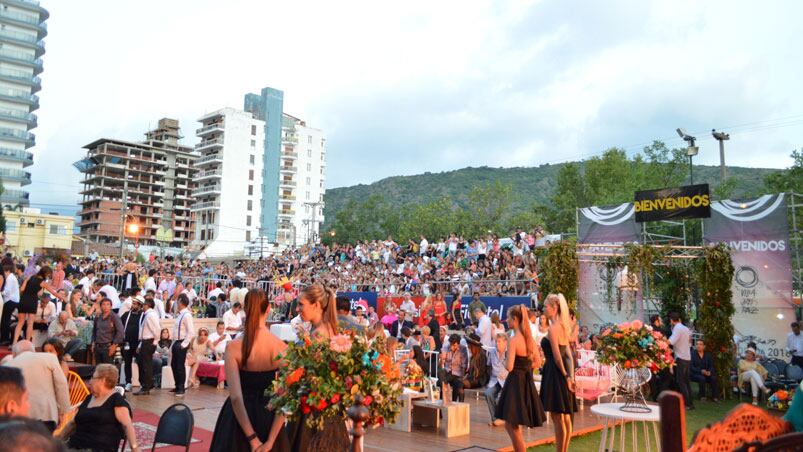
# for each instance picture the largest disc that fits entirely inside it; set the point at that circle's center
(133, 229)
(721, 137)
(332, 233)
(691, 151)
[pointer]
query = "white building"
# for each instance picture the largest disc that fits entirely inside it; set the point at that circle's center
(227, 192)
(301, 182)
(22, 28)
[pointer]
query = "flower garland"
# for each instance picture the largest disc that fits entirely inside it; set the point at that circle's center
(323, 377)
(715, 275)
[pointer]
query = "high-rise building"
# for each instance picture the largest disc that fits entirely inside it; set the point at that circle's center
(267, 107)
(22, 28)
(294, 171)
(229, 182)
(154, 178)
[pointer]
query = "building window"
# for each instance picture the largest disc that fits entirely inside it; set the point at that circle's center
(247, 236)
(251, 159)
(248, 220)
(307, 196)
(211, 235)
(56, 229)
(253, 143)
(308, 180)
(203, 234)
(250, 174)
(250, 205)
(11, 226)
(253, 131)
(309, 166)
(250, 189)
(306, 207)
(321, 183)
(309, 139)
(309, 153)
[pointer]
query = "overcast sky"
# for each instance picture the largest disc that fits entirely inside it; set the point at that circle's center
(414, 86)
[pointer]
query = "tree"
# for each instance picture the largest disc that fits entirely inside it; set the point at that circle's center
(569, 195)
(788, 180)
(486, 206)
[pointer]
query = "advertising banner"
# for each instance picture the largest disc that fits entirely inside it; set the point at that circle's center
(676, 203)
(604, 226)
(355, 297)
(757, 231)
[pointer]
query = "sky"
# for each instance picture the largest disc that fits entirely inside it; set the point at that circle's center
(401, 88)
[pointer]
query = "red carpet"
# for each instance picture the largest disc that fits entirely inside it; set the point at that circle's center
(145, 424)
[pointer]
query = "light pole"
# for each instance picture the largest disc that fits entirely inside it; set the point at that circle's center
(721, 137)
(691, 151)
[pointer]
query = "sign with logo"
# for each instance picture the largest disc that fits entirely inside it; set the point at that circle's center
(164, 235)
(757, 232)
(690, 201)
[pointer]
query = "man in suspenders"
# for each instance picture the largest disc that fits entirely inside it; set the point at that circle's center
(184, 333)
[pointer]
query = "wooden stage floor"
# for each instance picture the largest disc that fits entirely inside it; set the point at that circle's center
(207, 401)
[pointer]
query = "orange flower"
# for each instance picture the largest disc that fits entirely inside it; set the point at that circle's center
(388, 368)
(617, 335)
(294, 376)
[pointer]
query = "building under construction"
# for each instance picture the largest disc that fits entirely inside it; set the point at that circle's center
(148, 184)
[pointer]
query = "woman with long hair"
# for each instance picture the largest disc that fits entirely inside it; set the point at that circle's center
(200, 349)
(251, 364)
(519, 403)
(558, 374)
(29, 300)
(316, 305)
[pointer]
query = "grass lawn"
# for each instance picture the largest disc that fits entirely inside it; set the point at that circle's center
(706, 413)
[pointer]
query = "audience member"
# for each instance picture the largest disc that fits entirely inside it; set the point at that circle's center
(185, 332)
(477, 375)
(703, 371)
(497, 362)
(13, 393)
(18, 434)
(45, 314)
(454, 364)
(51, 400)
(681, 345)
(54, 347)
(131, 326)
(751, 371)
(232, 320)
(148, 341)
(219, 339)
(107, 334)
(794, 345)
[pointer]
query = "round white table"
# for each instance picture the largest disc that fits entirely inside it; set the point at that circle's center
(613, 415)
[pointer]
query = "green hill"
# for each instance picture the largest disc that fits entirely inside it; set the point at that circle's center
(528, 184)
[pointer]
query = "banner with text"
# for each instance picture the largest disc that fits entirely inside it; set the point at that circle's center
(757, 232)
(604, 226)
(675, 203)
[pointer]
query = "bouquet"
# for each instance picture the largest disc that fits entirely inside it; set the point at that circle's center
(780, 400)
(323, 377)
(415, 376)
(634, 345)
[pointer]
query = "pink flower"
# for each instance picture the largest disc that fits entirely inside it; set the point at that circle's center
(637, 324)
(606, 332)
(662, 345)
(656, 335)
(340, 343)
(624, 326)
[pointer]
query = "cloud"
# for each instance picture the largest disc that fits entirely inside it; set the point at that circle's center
(402, 88)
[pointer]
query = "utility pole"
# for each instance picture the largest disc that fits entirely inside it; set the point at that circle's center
(721, 137)
(123, 209)
(691, 151)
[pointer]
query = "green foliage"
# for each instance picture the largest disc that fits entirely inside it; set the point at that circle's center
(673, 285)
(560, 270)
(788, 180)
(715, 275)
(641, 260)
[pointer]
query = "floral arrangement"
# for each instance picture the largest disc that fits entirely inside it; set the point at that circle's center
(323, 378)
(634, 345)
(780, 400)
(415, 376)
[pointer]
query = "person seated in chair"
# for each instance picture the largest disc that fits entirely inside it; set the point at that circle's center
(703, 371)
(453, 367)
(477, 375)
(751, 371)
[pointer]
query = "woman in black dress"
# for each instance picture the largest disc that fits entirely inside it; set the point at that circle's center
(558, 374)
(251, 364)
(519, 403)
(29, 300)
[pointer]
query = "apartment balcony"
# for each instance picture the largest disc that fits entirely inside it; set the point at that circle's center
(209, 144)
(26, 20)
(286, 212)
(208, 205)
(205, 130)
(15, 175)
(15, 197)
(290, 138)
(24, 39)
(16, 155)
(20, 136)
(209, 174)
(284, 197)
(287, 183)
(208, 159)
(17, 57)
(17, 76)
(288, 169)
(206, 190)
(289, 154)
(29, 119)
(20, 96)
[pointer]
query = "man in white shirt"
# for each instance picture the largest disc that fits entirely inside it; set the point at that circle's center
(64, 329)
(484, 328)
(216, 291)
(423, 246)
(150, 283)
(232, 321)
(109, 291)
(45, 314)
(48, 394)
(794, 345)
(149, 331)
(408, 305)
(167, 287)
(86, 282)
(219, 339)
(11, 298)
(184, 333)
(681, 344)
